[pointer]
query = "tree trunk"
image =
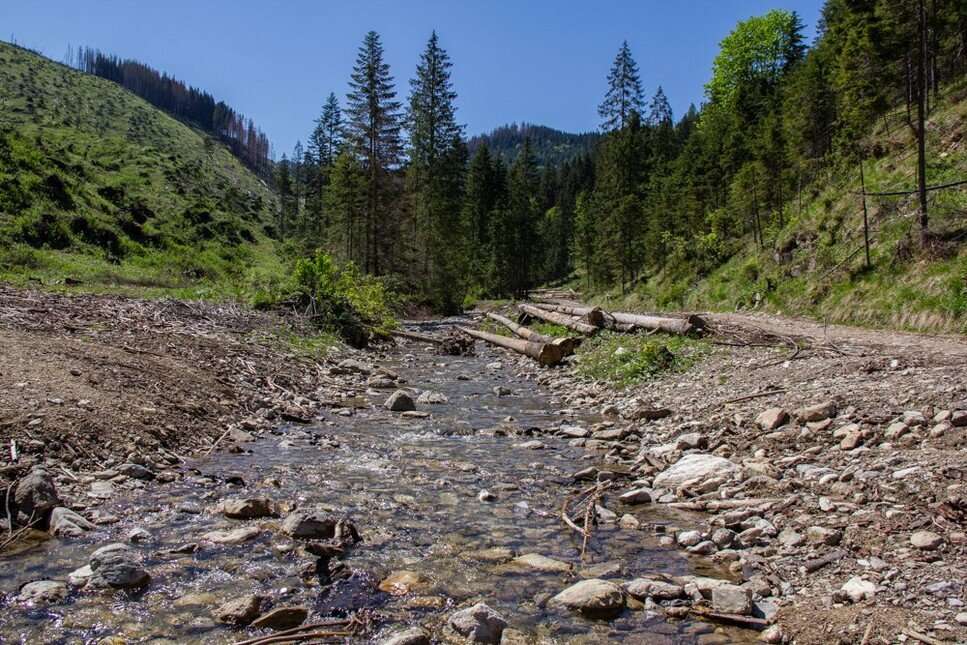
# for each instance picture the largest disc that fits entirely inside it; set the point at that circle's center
(922, 89)
(625, 321)
(567, 344)
(866, 219)
(547, 354)
(559, 319)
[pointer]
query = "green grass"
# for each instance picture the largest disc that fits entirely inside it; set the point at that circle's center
(100, 187)
(628, 359)
(552, 330)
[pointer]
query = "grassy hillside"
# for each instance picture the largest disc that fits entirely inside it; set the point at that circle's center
(97, 185)
(814, 265)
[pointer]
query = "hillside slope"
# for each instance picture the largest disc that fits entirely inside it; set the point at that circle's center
(814, 264)
(97, 185)
(550, 146)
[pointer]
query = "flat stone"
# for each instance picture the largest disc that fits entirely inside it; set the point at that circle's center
(478, 624)
(248, 509)
(234, 536)
(135, 471)
(282, 618)
(530, 445)
(43, 592)
(817, 412)
(694, 466)
(400, 583)
(732, 599)
(399, 401)
(926, 540)
(654, 589)
(542, 563)
(309, 525)
(102, 490)
(239, 611)
(636, 496)
(66, 523)
(594, 597)
(410, 636)
(858, 589)
(496, 554)
(432, 398)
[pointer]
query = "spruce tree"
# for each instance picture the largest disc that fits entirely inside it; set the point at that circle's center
(435, 175)
(374, 130)
(324, 145)
(624, 94)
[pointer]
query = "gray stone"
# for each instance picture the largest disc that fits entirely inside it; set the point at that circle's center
(823, 535)
(410, 636)
(858, 589)
(594, 597)
(478, 624)
(399, 401)
(282, 618)
(309, 525)
(732, 599)
(432, 398)
(926, 540)
(636, 496)
(688, 538)
(117, 566)
(234, 536)
(35, 494)
(43, 592)
(135, 471)
(691, 441)
(102, 490)
(248, 509)
(66, 523)
(80, 577)
(501, 390)
(542, 563)
(705, 547)
(723, 537)
(654, 589)
(694, 466)
(239, 611)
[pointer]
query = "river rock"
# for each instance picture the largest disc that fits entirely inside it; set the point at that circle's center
(309, 525)
(35, 495)
(117, 566)
(282, 618)
(66, 523)
(486, 496)
(732, 599)
(858, 589)
(399, 401)
(817, 412)
(400, 583)
(688, 538)
(694, 466)
(772, 418)
(432, 398)
(542, 563)
(926, 540)
(43, 592)
(234, 536)
(102, 490)
(958, 418)
(410, 636)
(823, 535)
(502, 390)
(248, 509)
(353, 365)
(655, 589)
(478, 624)
(594, 597)
(534, 444)
(80, 577)
(239, 611)
(135, 471)
(636, 496)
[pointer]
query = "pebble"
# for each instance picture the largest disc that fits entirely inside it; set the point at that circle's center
(926, 540)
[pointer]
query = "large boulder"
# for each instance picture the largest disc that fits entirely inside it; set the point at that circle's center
(309, 525)
(594, 597)
(655, 589)
(400, 401)
(248, 509)
(117, 566)
(35, 496)
(42, 592)
(695, 466)
(66, 523)
(478, 624)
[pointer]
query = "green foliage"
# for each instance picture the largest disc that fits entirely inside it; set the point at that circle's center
(624, 359)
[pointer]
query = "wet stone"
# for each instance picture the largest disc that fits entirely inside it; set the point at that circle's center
(478, 624)
(247, 509)
(118, 566)
(410, 636)
(239, 611)
(43, 592)
(234, 536)
(399, 401)
(35, 494)
(282, 618)
(542, 563)
(66, 523)
(313, 526)
(594, 597)
(400, 583)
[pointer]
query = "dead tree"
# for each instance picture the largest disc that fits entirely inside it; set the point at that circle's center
(547, 354)
(567, 344)
(559, 319)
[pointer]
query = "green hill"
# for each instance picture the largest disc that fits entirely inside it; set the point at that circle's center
(98, 186)
(814, 264)
(550, 146)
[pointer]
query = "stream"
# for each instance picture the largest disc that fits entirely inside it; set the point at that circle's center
(410, 486)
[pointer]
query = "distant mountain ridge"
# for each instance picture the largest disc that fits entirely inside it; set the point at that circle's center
(550, 146)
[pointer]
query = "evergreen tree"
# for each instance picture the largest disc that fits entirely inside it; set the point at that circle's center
(374, 130)
(345, 202)
(324, 145)
(437, 160)
(283, 184)
(659, 110)
(624, 95)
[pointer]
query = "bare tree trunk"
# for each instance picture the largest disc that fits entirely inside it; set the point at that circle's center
(866, 220)
(547, 354)
(559, 319)
(922, 89)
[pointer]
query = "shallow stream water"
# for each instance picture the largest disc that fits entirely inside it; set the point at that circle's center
(410, 486)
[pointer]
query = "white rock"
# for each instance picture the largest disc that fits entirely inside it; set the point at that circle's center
(694, 466)
(858, 589)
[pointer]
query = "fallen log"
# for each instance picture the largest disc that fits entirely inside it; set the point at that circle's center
(567, 344)
(559, 319)
(547, 354)
(624, 321)
(452, 345)
(591, 315)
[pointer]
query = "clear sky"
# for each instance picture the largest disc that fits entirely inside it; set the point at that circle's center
(540, 61)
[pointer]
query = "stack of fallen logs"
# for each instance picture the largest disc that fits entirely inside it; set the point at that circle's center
(584, 321)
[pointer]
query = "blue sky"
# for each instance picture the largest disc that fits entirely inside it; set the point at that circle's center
(538, 61)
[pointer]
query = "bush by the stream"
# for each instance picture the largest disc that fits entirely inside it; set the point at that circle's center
(338, 298)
